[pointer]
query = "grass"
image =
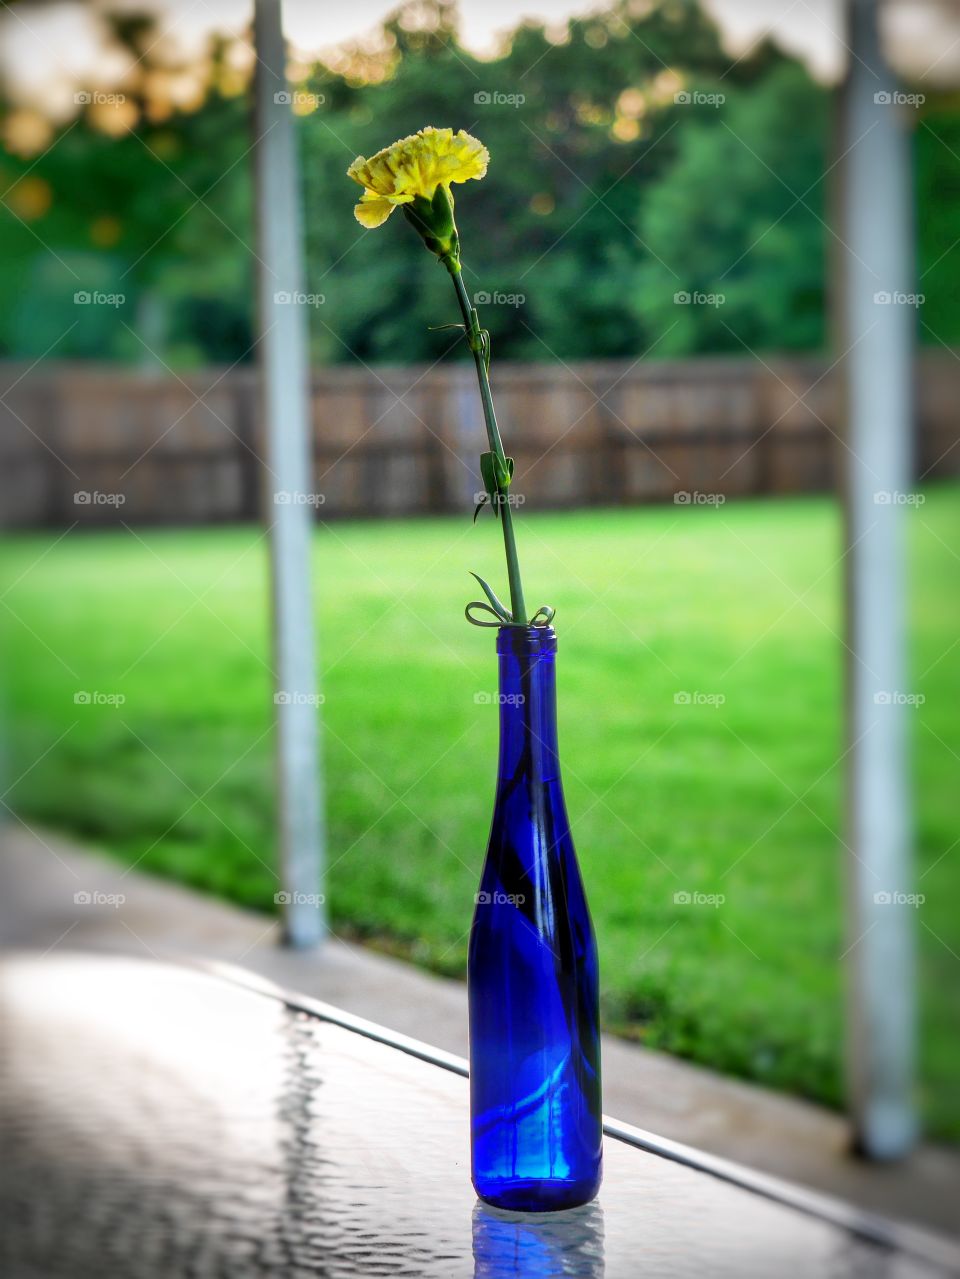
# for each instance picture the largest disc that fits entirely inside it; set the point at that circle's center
(740, 799)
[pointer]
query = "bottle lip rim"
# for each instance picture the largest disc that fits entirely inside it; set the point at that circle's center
(530, 639)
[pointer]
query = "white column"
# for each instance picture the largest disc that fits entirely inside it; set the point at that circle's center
(284, 365)
(878, 337)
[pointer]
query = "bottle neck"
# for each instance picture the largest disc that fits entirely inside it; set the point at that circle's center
(528, 705)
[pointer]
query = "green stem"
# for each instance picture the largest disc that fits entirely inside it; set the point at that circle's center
(472, 325)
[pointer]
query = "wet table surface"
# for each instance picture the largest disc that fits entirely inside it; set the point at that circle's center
(161, 1121)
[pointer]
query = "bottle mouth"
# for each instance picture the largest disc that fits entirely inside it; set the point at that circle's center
(531, 640)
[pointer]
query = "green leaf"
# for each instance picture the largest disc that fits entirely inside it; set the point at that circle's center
(546, 613)
(488, 473)
(496, 473)
(498, 607)
(485, 608)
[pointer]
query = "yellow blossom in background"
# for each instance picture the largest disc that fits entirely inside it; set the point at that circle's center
(26, 132)
(415, 167)
(115, 114)
(625, 129)
(29, 198)
(105, 231)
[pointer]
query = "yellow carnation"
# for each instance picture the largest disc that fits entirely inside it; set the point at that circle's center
(415, 167)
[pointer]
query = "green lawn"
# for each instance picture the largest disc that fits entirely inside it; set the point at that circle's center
(741, 799)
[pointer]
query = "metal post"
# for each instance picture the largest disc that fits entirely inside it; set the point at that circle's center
(876, 228)
(284, 363)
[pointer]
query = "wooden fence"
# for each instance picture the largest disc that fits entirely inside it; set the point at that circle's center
(95, 444)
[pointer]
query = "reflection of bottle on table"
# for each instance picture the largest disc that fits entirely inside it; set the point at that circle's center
(513, 1245)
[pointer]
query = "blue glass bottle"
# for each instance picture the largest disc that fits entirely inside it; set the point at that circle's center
(532, 973)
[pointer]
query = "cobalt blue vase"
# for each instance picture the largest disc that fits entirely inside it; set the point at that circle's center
(536, 1123)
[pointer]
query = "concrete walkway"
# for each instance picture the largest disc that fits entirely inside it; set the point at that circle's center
(42, 875)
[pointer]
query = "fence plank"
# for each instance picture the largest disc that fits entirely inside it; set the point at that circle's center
(402, 441)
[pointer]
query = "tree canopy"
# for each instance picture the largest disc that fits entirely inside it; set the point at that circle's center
(646, 193)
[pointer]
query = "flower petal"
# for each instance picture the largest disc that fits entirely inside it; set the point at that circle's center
(373, 210)
(356, 170)
(417, 165)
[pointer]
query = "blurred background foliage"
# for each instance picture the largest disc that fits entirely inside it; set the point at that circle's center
(605, 197)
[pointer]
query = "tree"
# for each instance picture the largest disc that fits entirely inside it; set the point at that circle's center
(738, 219)
(607, 195)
